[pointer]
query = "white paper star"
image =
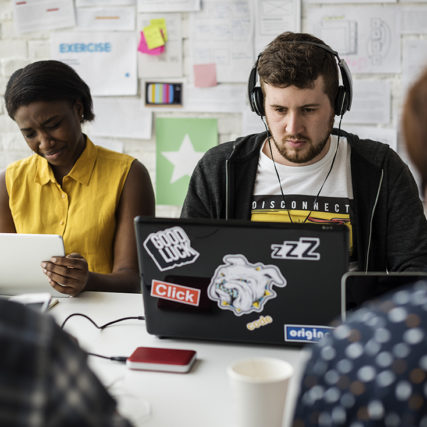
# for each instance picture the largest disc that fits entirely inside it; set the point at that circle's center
(184, 160)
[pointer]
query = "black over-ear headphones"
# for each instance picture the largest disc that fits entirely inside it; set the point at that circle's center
(344, 95)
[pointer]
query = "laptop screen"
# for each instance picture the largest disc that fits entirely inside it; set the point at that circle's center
(358, 287)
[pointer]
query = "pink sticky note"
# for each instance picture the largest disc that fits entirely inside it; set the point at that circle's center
(142, 47)
(204, 75)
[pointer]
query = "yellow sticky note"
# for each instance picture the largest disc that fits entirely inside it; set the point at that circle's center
(153, 36)
(161, 23)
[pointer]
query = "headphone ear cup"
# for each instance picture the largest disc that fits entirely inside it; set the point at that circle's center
(341, 101)
(258, 101)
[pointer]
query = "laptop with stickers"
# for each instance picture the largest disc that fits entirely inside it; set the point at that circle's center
(240, 281)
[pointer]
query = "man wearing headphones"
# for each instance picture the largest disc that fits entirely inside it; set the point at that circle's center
(302, 170)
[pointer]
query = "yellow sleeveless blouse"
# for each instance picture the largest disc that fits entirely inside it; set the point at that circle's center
(82, 211)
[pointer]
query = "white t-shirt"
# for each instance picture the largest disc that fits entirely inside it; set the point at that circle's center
(301, 185)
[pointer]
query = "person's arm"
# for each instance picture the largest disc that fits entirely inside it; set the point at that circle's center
(6, 221)
(70, 274)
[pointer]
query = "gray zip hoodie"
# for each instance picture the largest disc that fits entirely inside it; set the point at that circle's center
(389, 226)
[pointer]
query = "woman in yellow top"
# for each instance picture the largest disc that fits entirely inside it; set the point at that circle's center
(87, 194)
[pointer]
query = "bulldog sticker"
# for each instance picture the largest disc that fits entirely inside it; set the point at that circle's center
(243, 287)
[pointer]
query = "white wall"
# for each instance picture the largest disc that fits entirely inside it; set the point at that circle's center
(18, 50)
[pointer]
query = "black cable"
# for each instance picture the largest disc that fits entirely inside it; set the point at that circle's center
(106, 324)
(121, 359)
(269, 136)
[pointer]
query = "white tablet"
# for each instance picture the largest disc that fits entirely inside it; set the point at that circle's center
(20, 259)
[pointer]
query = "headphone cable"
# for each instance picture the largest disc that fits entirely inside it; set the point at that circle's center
(269, 136)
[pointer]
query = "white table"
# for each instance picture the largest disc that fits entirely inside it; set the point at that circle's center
(198, 398)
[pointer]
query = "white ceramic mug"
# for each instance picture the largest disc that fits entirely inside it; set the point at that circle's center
(258, 387)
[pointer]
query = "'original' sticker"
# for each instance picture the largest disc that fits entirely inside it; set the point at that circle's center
(170, 248)
(243, 287)
(305, 333)
(173, 292)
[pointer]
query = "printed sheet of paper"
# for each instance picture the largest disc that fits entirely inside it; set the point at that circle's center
(371, 102)
(386, 135)
(226, 98)
(368, 37)
(348, 1)
(92, 53)
(251, 123)
(168, 63)
(121, 118)
(42, 15)
(273, 17)
(104, 3)
(414, 60)
(414, 19)
(222, 33)
(105, 18)
(168, 5)
(180, 144)
(111, 144)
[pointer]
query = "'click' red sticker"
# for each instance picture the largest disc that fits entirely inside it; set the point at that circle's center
(173, 292)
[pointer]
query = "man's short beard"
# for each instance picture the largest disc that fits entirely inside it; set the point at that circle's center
(304, 157)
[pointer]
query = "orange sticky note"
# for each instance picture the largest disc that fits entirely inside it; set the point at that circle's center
(204, 75)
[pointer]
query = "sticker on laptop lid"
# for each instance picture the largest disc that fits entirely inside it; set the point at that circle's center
(170, 248)
(262, 321)
(174, 292)
(302, 249)
(305, 333)
(243, 287)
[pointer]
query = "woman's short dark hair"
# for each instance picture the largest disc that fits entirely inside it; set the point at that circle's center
(47, 81)
(286, 62)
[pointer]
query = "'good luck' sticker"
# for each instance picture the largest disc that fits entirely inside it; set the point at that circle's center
(170, 248)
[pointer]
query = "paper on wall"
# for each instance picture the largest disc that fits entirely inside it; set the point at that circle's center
(273, 17)
(42, 15)
(105, 18)
(414, 60)
(371, 102)
(385, 135)
(367, 38)
(222, 33)
(168, 5)
(105, 61)
(226, 98)
(414, 19)
(168, 63)
(121, 118)
(104, 3)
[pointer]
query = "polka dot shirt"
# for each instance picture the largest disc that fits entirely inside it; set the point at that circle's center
(372, 369)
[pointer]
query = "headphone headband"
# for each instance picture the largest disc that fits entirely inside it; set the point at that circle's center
(344, 96)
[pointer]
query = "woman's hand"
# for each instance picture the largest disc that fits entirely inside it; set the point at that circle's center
(68, 275)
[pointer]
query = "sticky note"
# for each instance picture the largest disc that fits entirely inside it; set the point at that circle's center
(153, 36)
(143, 48)
(204, 75)
(161, 23)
